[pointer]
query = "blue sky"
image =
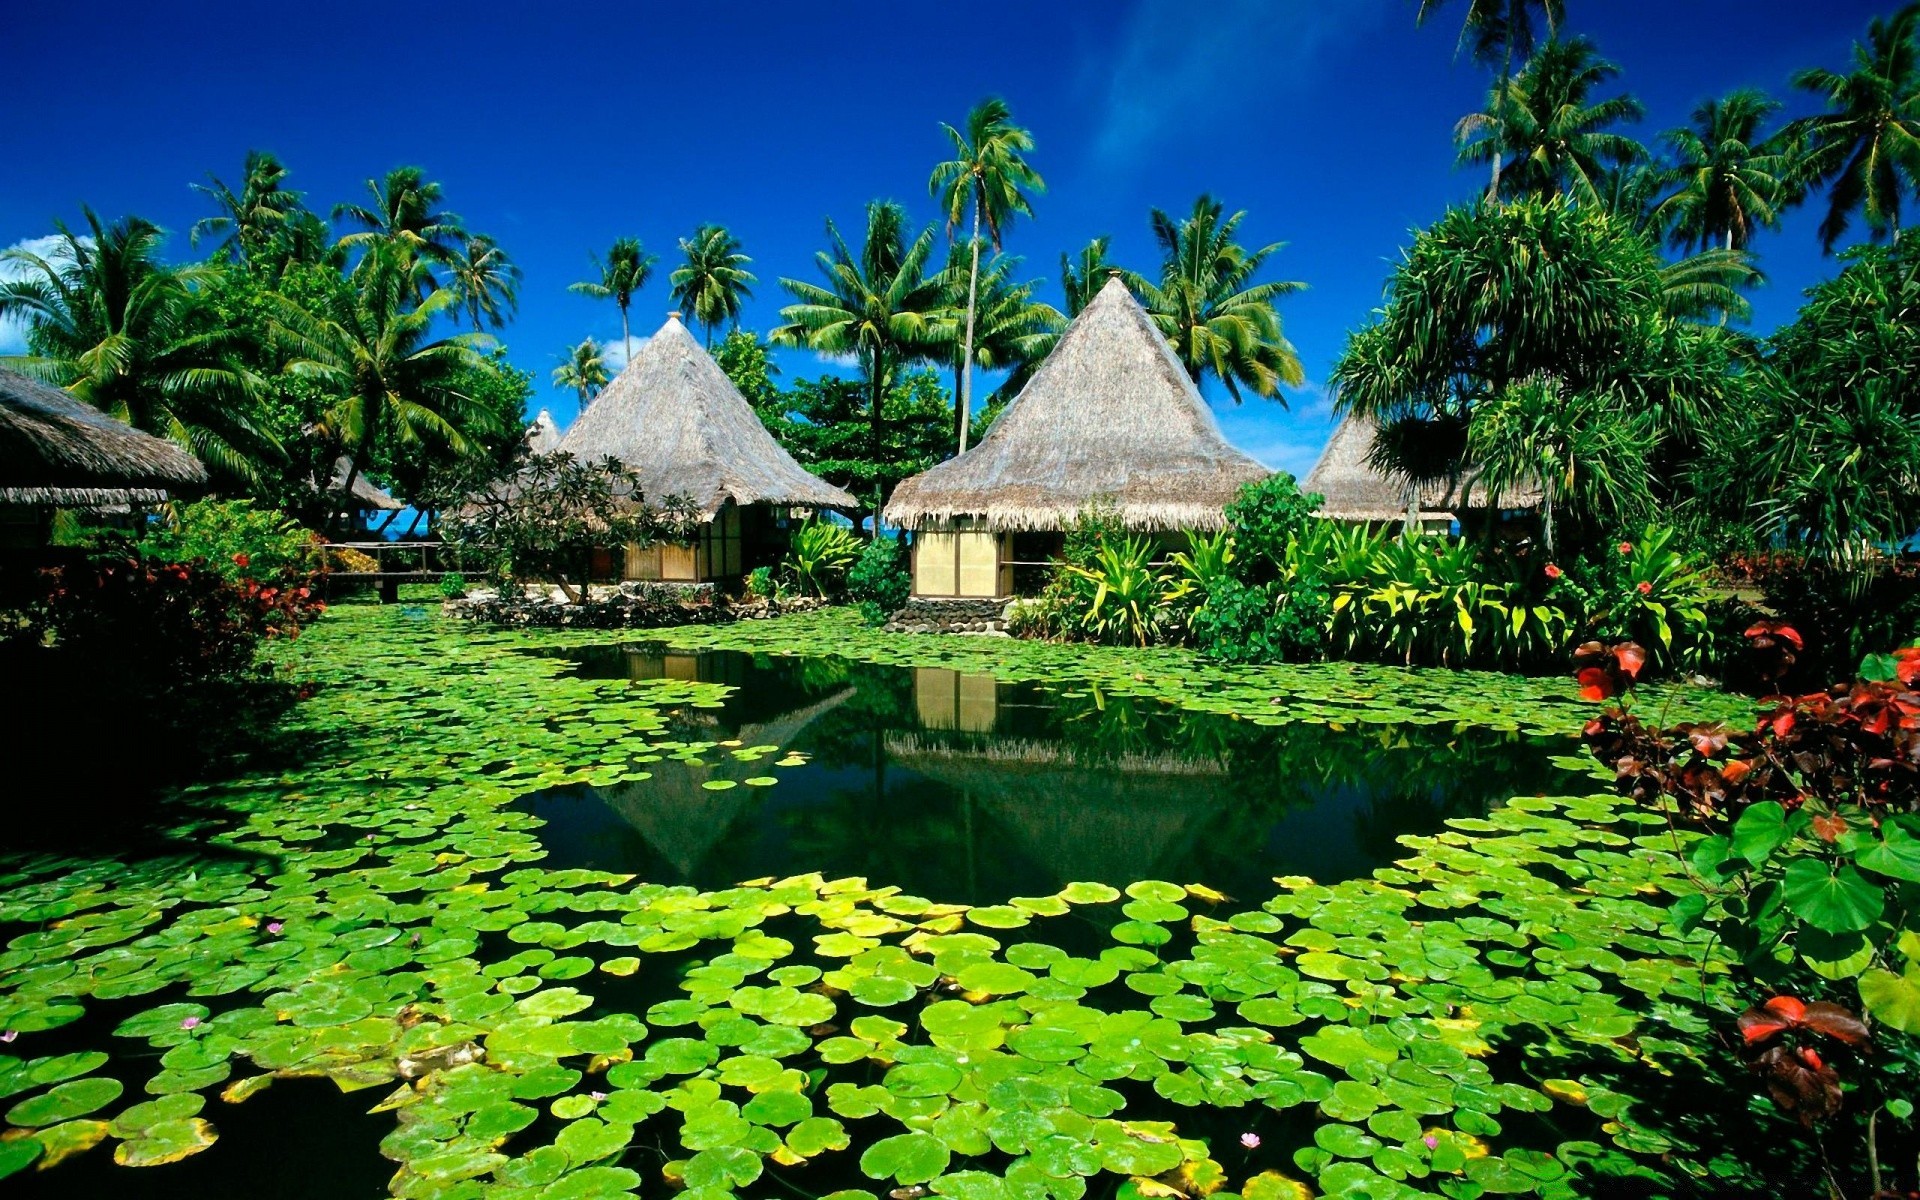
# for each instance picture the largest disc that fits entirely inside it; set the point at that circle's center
(558, 127)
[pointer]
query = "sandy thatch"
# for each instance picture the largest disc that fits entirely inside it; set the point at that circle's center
(543, 435)
(680, 424)
(1110, 417)
(55, 450)
(1355, 491)
(367, 496)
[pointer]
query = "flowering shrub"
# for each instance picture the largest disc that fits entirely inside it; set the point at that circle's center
(236, 541)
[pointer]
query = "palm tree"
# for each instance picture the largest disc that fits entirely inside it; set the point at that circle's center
(1216, 319)
(1867, 145)
(713, 280)
(1500, 31)
(253, 219)
(1546, 122)
(624, 271)
(582, 369)
(396, 386)
(1013, 330)
(406, 210)
(879, 305)
(1731, 179)
(1082, 276)
(136, 339)
(485, 280)
(989, 173)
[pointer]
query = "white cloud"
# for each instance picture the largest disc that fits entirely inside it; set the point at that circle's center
(1179, 62)
(13, 331)
(1289, 440)
(613, 351)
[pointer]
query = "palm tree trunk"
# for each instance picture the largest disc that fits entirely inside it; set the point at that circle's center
(626, 335)
(966, 369)
(876, 368)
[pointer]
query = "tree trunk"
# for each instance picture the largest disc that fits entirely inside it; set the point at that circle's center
(876, 366)
(626, 335)
(966, 346)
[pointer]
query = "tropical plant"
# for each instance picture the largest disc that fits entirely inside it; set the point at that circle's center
(1497, 33)
(1200, 568)
(1732, 181)
(138, 340)
(235, 540)
(826, 424)
(880, 306)
(583, 371)
(1083, 275)
(821, 554)
(256, 217)
(1547, 126)
(1013, 331)
(1866, 147)
(484, 281)
(989, 175)
(1117, 597)
(626, 269)
(1215, 317)
(712, 281)
(406, 212)
(881, 580)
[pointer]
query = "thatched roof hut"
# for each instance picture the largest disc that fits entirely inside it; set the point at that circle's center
(676, 420)
(1356, 491)
(543, 435)
(1110, 417)
(366, 496)
(57, 451)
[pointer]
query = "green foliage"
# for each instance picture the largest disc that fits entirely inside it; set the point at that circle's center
(1264, 519)
(1118, 596)
(827, 425)
(881, 580)
(234, 540)
(820, 556)
(453, 585)
(761, 583)
(713, 278)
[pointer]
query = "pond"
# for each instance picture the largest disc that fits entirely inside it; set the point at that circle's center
(959, 787)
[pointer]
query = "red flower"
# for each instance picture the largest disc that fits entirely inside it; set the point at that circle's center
(1626, 547)
(241, 560)
(1554, 572)
(1643, 587)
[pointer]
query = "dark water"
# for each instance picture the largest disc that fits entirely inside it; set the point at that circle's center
(959, 788)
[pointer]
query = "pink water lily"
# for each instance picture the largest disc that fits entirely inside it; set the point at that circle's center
(8, 1035)
(597, 1096)
(190, 1023)
(1250, 1140)
(274, 927)
(1431, 1141)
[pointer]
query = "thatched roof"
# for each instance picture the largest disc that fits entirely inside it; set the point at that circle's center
(676, 420)
(366, 494)
(543, 435)
(1355, 491)
(1110, 417)
(58, 451)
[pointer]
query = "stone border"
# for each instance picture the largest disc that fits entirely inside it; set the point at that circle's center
(922, 615)
(634, 604)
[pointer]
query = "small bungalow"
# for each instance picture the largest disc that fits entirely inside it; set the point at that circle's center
(1355, 491)
(1111, 418)
(676, 420)
(57, 452)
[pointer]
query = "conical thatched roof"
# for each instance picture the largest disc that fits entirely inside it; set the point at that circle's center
(1111, 416)
(1355, 491)
(680, 424)
(56, 450)
(366, 495)
(543, 435)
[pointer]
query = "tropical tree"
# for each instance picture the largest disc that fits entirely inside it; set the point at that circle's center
(625, 270)
(397, 387)
(1731, 180)
(988, 174)
(1583, 451)
(1083, 275)
(879, 305)
(251, 220)
(1215, 317)
(406, 211)
(484, 280)
(1547, 125)
(1866, 146)
(583, 370)
(1498, 33)
(712, 281)
(1013, 329)
(137, 339)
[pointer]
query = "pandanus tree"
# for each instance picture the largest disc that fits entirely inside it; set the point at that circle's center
(1731, 181)
(396, 385)
(405, 211)
(1498, 34)
(712, 279)
(137, 339)
(1217, 319)
(623, 272)
(251, 220)
(582, 371)
(1866, 147)
(988, 177)
(484, 281)
(1546, 123)
(880, 305)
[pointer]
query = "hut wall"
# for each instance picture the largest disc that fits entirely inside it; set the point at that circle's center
(961, 563)
(713, 554)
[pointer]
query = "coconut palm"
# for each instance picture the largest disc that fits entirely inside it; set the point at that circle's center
(880, 305)
(396, 385)
(485, 281)
(712, 281)
(1214, 316)
(1866, 147)
(406, 210)
(136, 339)
(1083, 275)
(625, 270)
(1013, 331)
(582, 369)
(1731, 180)
(253, 219)
(990, 175)
(1499, 33)
(1547, 125)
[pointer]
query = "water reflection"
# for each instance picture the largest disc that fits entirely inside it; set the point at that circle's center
(958, 787)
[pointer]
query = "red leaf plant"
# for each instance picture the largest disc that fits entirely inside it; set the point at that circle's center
(1775, 1036)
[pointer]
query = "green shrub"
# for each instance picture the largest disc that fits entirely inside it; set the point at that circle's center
(1264, 519)
(820, 556)
(1118, 598)
(234, 540)
(880, 580)
(453, 585)
(761, 584)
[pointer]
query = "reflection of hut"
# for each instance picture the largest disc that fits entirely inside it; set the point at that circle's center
(1111, 418)
(674, 418)
(542, 434)
(56, 452)
(1355, 491)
